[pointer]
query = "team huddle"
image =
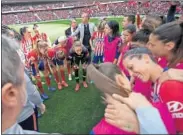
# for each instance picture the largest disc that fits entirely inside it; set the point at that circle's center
(47, 59)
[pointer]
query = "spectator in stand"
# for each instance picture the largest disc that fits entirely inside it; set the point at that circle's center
(121, 8)
(85, 29)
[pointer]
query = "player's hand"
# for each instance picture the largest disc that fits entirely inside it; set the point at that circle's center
(121, 116)
(134, 101)
(42, 108)
(32, 58)
(123, 82)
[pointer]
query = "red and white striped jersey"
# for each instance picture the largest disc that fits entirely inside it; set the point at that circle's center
(27, 45)
(98, 36)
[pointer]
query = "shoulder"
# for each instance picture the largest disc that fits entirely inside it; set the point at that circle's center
(91, 24)
(68, 29)
(172, 84)
(52, 49)
(79, 26)
(171, 89)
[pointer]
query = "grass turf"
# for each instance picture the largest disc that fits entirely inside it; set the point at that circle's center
(69, 112)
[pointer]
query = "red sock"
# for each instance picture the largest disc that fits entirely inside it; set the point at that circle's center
(69, 68)
(56, 76)
(48, 81)
(40, 86)
(62, 75)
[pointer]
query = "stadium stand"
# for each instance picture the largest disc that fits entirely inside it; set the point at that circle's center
(14, 14)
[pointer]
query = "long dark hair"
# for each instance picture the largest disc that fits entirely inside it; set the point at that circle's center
(23, 30)
(114, 25)
(172, 32)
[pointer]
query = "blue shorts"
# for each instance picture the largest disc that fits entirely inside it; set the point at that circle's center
(58, 62)
(97, 59)
(40, 67)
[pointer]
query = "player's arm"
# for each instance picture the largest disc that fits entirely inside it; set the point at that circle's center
(119, 59)
(171, 12)
(91, 41)
(76, 31)
(36, 68)
(71, 55)
(117, 52)
(33, 61)
(172, 74)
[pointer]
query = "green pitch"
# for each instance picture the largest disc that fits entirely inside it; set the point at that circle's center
(69, 112)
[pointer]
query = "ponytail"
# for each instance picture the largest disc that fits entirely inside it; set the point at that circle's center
(178, 57)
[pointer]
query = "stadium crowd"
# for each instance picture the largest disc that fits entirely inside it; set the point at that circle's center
(142, 69)
(98, 9)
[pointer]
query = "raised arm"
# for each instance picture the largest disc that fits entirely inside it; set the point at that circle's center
(76, 31)
(171, 13)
